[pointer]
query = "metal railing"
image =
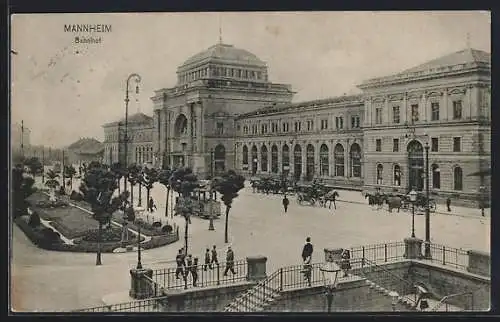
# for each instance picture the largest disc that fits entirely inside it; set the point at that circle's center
(206, 275)
(464, 297)
(284, 279)
(156, 304)
(388, 280)
(380, 253)
(449, 256)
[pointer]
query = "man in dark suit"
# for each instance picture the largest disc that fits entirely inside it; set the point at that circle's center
(307, 250)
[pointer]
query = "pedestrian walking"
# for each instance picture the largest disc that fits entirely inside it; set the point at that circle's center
(448, 204)
(194, 271)
(151, 205)
(286, 202)
(214, 257)
(179, 260)
(307, 250)
(189, 264)
(229, 261)
(207, 260)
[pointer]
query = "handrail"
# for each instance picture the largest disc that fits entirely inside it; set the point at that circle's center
(446, 297)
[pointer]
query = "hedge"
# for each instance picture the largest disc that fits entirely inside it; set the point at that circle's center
(40, 240)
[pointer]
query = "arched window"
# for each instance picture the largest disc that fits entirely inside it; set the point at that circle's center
(339, 160)
(297, 161)
(355, 160)
(323, 160)
(285, 156)
(254, 159)
(180, 127)
(457, 178)
(245, 155)
(380, 174)
(220, 158)
(263, 159)
(274, 159)
(310, 162)
(397, 175)
(436, 177)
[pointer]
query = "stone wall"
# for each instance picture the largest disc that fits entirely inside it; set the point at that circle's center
(212, 299)
(353, 295)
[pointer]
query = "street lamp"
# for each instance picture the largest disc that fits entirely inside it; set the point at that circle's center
(413, 199)
(394, 299)
(125, 138)
(255, 166)
(482, 197)
(427, 210)
(139, 210)
(330, 272)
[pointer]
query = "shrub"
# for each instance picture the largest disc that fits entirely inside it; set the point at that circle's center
(166, 229)
(156, 224)
(76, 196)
(34, 220)
(61, 191)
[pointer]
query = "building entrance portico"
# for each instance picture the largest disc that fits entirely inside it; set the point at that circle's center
(415, 166)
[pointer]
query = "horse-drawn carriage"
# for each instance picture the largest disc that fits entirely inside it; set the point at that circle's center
(399, 201)
(315, 192)
(273, 185)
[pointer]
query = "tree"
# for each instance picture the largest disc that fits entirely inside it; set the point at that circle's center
(118, 171)
(98, 187)
(184, 182)
(70, 172)
(228, 185)
(164, 178)
(52, 181)
(22, 188)
(149, 178)
(34, 165)
(133, 177)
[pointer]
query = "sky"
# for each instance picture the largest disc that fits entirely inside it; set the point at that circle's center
(64, 91)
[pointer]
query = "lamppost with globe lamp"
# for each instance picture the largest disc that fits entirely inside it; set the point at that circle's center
(330, 271)
(139, 210)
(127, 100)
(413, 199)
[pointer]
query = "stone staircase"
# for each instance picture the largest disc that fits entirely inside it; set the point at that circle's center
(406, 300)
(256, 299)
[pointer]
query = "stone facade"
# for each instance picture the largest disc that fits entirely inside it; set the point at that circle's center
(224, 113)
(139, 133)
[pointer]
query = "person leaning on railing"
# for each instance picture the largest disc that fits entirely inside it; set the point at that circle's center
(307, 269)
(345, 263)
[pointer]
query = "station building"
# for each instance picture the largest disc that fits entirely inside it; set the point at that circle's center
(224, 113)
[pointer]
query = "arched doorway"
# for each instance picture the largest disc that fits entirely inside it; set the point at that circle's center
(220, 158)
(324, 164)
(274, 159)
(254, 160)
(297, 162)
(180, 127)
(415, 165)
(338, 154)
(309, 162)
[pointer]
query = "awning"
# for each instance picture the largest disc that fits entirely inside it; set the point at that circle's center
(482, 173)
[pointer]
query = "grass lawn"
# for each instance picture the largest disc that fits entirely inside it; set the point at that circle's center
(71, 221)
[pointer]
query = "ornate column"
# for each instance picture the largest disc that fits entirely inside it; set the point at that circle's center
(347, 162)
(280, 157)
(423, 108)
(404, 109)
(445, 105)
(304, 159)
(387, 118)
(317, 170)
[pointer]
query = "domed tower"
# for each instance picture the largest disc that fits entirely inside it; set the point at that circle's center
(194, 120)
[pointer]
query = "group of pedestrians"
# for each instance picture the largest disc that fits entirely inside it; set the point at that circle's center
(187, 265)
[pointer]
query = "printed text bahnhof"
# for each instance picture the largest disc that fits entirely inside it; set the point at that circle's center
(87, 28)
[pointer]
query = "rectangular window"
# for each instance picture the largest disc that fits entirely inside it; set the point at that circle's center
(297, 126)
(264, 128)
(358, 122)
(378, 145)
(339, 122)
(354, 122)
(457, 110)
(457, 144)
(414, 113)
(285, 127)
(434, 144)
(220, 128)
(396, 116)
(395, 145)
(324, 124)
(378, 115)
(434, 111)
(310, 125)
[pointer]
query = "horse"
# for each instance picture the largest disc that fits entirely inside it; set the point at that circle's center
(375, 200)
(394, 202)
(330, 196)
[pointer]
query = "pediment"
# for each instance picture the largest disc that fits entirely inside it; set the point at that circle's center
(457, 90)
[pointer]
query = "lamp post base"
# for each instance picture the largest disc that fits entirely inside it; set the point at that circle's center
(211, 224)
(329, 300)
(427, 250)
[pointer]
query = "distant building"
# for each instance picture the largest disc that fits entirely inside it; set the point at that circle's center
(140, 136)
(84, 150)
